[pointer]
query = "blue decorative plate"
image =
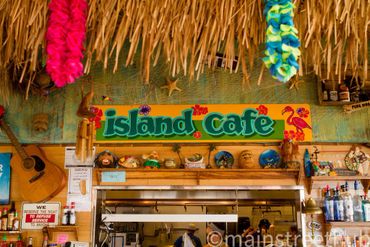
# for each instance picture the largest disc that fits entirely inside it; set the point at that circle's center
(269, 159)
(224, 159)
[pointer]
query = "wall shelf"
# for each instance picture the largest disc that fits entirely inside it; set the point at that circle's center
(197, 176)
(52, 230)
(347, 224)
(10, 232)
(365, 180)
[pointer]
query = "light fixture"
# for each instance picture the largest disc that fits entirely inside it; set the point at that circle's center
(310, 207)
(170, 218)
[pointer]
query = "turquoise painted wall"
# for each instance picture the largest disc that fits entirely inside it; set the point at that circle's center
(330, 124)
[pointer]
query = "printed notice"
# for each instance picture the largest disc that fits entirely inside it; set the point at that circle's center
(79, 188)
(70, 159)
(38, 215)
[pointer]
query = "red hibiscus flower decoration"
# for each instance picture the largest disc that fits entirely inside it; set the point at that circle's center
(2, 111)
(197, 134)
(262, 110)
(299, 136)
(303, 112)
(98, 114)
(199, 110)
(289, 135)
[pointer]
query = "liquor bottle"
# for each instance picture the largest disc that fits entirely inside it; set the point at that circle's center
(4, 220)
(72, 215)
(347, 203)
(357, 205)
(15, 223)
(366, 208)
(328, 205)
(338, 206)
(11, 216)
(29, 242)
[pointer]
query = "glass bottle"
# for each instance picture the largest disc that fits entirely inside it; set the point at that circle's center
(3, 242)
(328, 205)
(19, 242)
(65, 217)
(4, 220)
(366, 208)
(347, 203)
(357, 205)
(29, 243)
(11, 216)
(338, 206)
(72, 217)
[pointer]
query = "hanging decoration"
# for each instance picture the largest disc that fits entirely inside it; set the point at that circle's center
(64, 40)
(281, 40)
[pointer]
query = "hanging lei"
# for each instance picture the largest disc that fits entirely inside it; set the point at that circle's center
(281, 40)
(64, 40)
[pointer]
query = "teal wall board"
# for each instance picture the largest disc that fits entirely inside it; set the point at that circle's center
(330, 124)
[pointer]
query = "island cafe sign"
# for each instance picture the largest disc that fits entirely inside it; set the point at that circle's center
(203, 123)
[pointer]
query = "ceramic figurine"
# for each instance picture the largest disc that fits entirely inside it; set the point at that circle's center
(170, 163)
(246, 161)
(289, 153)
(128, 161)
(308, 171)
(151, 160)
(105, 159)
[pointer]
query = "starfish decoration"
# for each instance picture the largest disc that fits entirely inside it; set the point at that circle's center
(171, 86)
(294, 82)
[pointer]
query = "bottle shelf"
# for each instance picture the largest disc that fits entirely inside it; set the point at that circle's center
(340, 224)
(10, 232)
(73, 229)
(365, 180)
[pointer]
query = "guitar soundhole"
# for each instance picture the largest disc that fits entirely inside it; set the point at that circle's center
(28, 163)
(39, 164)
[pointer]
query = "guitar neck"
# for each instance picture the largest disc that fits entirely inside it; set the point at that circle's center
(13, 140)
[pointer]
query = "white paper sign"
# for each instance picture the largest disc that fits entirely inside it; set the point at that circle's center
(79, 188)
(38, 215)
(70, 159)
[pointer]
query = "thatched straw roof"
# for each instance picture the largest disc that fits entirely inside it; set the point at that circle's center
(188, 33)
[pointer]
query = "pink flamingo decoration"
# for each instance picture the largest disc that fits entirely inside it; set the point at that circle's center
(297, 122)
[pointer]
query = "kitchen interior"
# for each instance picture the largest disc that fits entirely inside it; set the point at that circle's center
(177, 207)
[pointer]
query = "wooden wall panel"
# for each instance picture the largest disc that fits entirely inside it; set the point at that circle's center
(56, 154)
(330, 124)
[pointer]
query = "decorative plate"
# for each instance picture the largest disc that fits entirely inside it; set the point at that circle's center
(269, 159)
(224, 159)
(355, 158)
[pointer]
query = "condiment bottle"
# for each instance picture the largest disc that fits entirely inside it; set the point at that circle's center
(333, 95)
(65, 216)
(72, 214)
(344, 93)
(19, 242)
(15, 223)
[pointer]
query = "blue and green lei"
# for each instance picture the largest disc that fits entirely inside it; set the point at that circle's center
(282, 41)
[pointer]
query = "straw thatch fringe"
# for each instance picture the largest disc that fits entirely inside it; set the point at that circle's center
(335, 37)
(189, 33)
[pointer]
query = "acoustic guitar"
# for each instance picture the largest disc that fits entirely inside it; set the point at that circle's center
(39, 179)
